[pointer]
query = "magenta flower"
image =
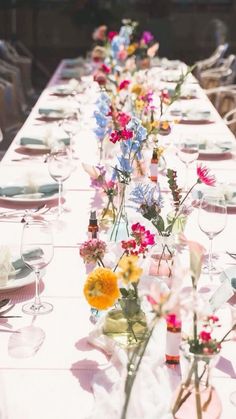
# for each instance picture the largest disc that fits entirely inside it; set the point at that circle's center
(124, 84)
(142, 238)
(111, 35)
(173, 321)
(147, 37)
(204, 176)
(105, 69)
(205, 336)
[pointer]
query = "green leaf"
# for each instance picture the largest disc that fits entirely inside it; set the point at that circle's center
(124, 292)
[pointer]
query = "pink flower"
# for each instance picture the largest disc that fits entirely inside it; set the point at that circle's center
(100, 78)
(111, 35)
(122, 55)
(213, 318)
(123, 119)
(204, 176)
(100, 33)
(124, 84)
(205, 336)
(105, 69)
(173, 321)
(92, 250)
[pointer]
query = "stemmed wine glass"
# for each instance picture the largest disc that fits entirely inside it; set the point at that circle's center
(37, 252)
(60, 167)
(212, 217)
(188, 152)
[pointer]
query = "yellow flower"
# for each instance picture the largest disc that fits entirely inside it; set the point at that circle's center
(137, 89)
(101, 288)
(139, 104)
(129, 271)
(132, 48)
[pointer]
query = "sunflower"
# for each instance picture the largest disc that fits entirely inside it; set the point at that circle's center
(101, 288)
(129, 271)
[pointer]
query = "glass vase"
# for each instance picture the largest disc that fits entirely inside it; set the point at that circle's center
(120, 231)
(126, 324)
(196, 398)
(162, 257)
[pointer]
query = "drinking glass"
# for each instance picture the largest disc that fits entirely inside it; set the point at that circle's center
(37, 253)
(60, 167)
(188, 152)
(212, 217)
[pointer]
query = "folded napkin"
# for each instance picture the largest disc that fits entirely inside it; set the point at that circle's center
(151, 393)
(68, 73)
(37, 141)
(47, 190)
(46, 110)
(19, 264)
(5, 264)
(73, 62)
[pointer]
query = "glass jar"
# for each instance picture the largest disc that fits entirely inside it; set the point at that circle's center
(120, 231)
(196, 398)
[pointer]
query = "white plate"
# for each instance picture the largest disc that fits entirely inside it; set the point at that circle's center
(13, 284)
(201, 189)
(35, 147)
(29, 199)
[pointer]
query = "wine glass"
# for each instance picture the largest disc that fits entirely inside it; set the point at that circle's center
(60, 167)
(37, 252)
(212, 217)
(188, 152)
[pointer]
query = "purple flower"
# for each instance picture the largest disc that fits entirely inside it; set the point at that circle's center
(147, 37)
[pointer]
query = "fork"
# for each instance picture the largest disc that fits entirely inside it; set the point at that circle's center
(14, 212)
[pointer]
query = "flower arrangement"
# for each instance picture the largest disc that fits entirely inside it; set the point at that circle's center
(126, 268)
(200, 347)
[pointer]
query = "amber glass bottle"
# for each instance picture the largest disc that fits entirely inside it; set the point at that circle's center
(93, 226)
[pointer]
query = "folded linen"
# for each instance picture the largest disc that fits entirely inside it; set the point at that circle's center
(47, 190)
(37, 141)
(20, 266)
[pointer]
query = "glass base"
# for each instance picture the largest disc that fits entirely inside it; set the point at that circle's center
(35, 310)
(232, 398)
(214, 270)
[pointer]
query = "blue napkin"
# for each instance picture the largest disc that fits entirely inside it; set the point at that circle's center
(37, 141)
(47, 189)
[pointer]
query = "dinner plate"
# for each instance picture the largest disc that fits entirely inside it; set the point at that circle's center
(36, 147)
(29, 198)
(229, 192)
(14, 283)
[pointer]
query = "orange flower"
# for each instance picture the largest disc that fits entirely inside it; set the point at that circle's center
(101, 288)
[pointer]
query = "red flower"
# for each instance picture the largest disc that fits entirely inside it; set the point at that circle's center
(213, 318)
(105, 69)
(115, 136)
(126, 134)
(205, 336)
(111, 35)
(204, 176)
(124, 84)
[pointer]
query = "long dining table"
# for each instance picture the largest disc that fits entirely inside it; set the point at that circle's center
(47, 365)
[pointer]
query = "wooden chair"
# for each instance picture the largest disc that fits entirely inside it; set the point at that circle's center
(223, 98)
(230, 120)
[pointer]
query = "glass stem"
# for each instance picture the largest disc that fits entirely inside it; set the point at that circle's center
(186, 177)
(210, 265)
(37, 301)
(59, 198)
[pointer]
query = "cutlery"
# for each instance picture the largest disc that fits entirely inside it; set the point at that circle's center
(9, 317)
(12, 213)
(4, 302)
(232, 255)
